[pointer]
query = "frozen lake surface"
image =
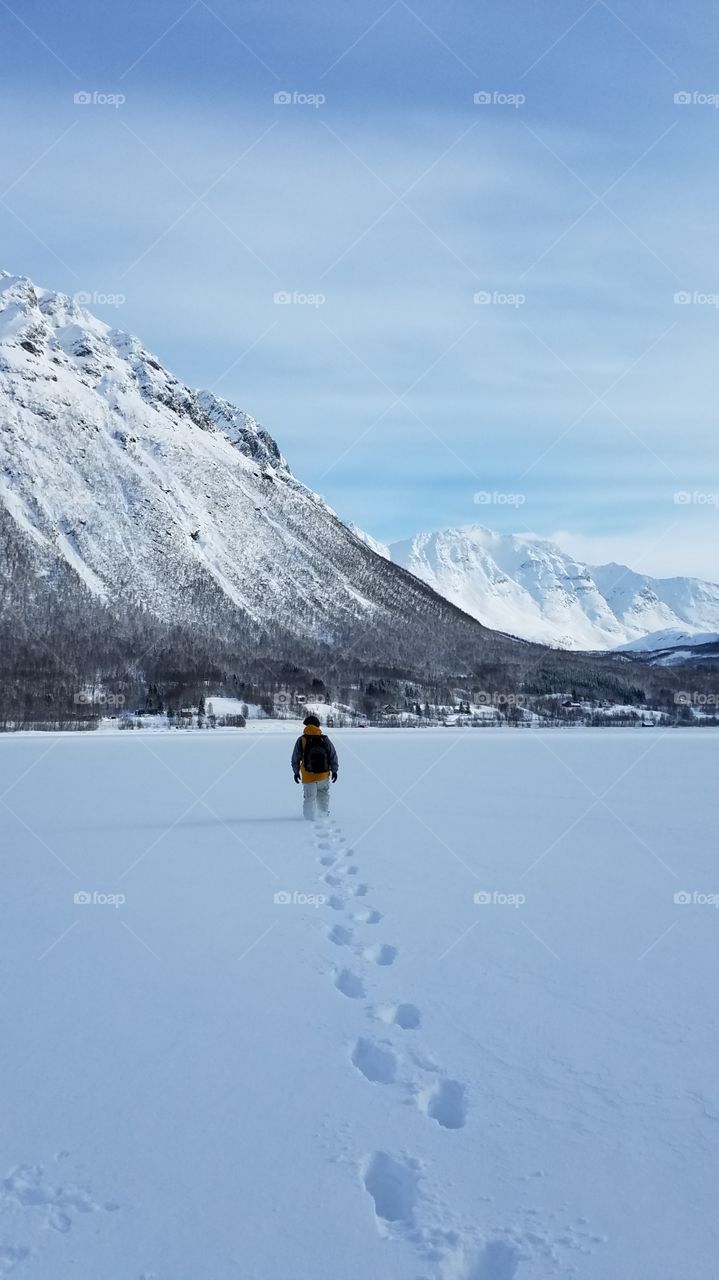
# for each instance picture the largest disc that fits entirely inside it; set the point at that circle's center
(467, 1032)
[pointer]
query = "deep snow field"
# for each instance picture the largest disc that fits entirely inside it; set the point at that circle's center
(200, 1082)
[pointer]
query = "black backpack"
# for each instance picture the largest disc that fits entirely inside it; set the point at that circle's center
(316, 756)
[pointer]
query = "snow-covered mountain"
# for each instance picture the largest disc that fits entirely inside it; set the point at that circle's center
(118, 484)
(123, 490)
(657, 641)
(534, 590)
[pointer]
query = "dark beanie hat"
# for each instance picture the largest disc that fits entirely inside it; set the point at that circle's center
(311, 720)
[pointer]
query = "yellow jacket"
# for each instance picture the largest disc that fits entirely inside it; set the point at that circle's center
(298, 761)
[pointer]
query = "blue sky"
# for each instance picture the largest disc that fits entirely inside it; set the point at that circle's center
(580, 199)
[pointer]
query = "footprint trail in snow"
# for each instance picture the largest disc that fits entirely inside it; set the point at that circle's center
(388, 1054)
(393, 1181)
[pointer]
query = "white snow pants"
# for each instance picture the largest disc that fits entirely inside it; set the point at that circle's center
(316, 799)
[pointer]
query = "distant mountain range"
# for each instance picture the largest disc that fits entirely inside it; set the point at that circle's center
(533, 589)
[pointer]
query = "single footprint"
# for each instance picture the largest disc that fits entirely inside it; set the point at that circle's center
(392, 1184)
(335, 902)
(323, 844)
(446, 1103)
(352, 871)
(377, 1064)
(332, 880)
(349, 984)
(361, 890)
(406, 1016)
(382, 953)
(497, 1261)
(340, 935)
(329, 860)
(371, 917)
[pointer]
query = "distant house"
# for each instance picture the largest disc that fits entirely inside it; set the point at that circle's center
(389, 710)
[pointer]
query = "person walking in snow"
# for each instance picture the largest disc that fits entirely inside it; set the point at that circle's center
(314, 760)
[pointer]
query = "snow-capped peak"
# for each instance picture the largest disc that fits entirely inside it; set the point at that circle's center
(531, 588)
(119, 480)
